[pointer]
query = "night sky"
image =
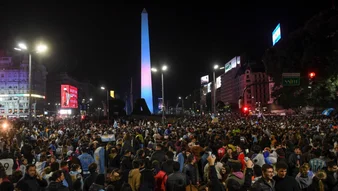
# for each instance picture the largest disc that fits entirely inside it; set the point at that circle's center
(102, 42)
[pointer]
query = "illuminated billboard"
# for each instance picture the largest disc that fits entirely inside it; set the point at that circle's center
(204, 79)
(276, 35)
(68, 96)
(218, 82)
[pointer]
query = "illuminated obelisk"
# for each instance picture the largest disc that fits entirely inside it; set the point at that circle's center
(146, 83)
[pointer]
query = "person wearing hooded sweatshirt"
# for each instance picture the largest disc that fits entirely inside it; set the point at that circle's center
(56, 182)
(303, 179)
(236, 173)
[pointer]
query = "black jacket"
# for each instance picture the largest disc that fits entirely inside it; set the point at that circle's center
(176, 182)
(56, 186)
(159, 156)
(28, 183)
(288, 183)
(89, 181)
(216, 184)
(262, 185)
(190, 171)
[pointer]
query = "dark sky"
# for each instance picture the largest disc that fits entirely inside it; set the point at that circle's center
(101, 42)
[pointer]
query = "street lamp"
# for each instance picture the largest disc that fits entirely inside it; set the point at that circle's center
(164, 68)
(39, 49)
(103, 88)
(214, 86)
(180, 98)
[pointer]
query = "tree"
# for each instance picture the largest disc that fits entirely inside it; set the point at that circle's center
(314, 47)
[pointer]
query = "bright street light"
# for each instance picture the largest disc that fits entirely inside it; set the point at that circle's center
(179, 97)
(164, 68)
(22, 46)
(41, 48)
(103, 88)
(90, 99)
(216, 67)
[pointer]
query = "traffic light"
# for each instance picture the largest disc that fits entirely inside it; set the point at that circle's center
(245, 109)
(312, 75)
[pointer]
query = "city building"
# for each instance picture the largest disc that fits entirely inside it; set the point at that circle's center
(85, 91)
(14, 87)
(245, 81)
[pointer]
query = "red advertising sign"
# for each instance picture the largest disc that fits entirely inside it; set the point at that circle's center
(68, 96)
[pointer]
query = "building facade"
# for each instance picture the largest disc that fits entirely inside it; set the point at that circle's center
(14, 87)
(245, 81)
(85, 91)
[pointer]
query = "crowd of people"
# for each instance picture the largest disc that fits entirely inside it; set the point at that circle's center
(271, 153)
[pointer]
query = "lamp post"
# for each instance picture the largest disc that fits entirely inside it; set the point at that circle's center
(180, 98)
(103, 88)
(164, 68)
(214, 87)
(39, 49)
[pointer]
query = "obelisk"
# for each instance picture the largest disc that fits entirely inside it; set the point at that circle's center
(146, 83)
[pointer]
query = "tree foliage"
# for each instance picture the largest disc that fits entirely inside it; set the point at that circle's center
(311, 48)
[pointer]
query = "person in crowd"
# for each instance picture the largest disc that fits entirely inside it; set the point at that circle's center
(177, 180)
(91, 178)
(319, 182)
(282, 180)
(303, 179)
(56, 182)
(134, 178)
(266, 183)
(31, 180)
(98, 185)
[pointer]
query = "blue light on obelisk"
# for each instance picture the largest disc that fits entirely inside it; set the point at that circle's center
(146, 83)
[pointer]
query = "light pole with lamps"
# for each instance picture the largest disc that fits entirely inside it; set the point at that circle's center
(103, 88)
(214, 87)
(164, 68)
(39, 49)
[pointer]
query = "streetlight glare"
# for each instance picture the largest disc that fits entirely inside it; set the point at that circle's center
(164, 68)
(18, 49)
(103, 88)
(153, 69)
(22, 46)
(179, 98)
(216, 66)
(90, 99)
(221, 68)
(41, 48)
